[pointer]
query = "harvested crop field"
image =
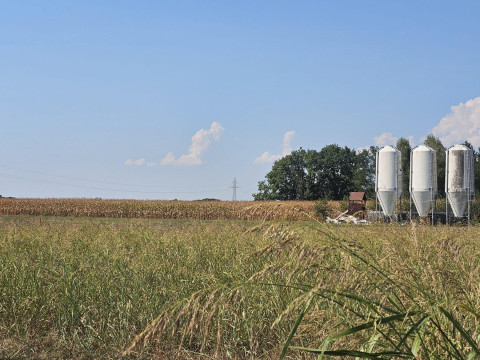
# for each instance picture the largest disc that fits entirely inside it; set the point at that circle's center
(196, 210)
(87, 288)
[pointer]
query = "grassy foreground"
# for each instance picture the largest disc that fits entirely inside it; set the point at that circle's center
(99, 288)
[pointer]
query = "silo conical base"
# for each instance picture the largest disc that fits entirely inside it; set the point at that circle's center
(458, 202)
(387, 201)
(422, 201)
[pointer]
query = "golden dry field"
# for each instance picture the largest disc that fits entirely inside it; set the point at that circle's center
(195, 210)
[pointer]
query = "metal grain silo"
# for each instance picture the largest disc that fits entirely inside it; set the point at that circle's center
(388, 178)
(423, 178)
(459, 185)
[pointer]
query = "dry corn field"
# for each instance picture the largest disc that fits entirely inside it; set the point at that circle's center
(85, 288)
(196, 210)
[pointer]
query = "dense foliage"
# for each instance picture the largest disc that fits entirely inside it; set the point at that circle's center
(437, 145)
(330, 173)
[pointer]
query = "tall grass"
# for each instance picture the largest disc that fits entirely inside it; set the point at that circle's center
(100, 288)
(84, 287)
(413, 297)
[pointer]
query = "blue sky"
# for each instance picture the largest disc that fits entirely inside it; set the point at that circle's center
(172, 99)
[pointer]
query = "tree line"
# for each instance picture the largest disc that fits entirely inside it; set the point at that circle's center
(334, 171)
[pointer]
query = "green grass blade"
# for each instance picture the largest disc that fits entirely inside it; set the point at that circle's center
(326, 342)
(294, 330)
(448, 341)
(373, 341)
(323, 349)
(472, 355)
(373, 305)
(413, 329)
(470, 310)
(461, 330)
(354, 353)
(371, 324)
(416, 345)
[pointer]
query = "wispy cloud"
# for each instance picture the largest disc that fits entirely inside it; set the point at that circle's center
(385, 138)
(362, 149)
(200, 142)
(463, 123)
(266, 157)
(140, 162)
(287, 142)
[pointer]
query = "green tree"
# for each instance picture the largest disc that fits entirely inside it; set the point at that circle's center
(311, 175)
(336, 171)
(476, 167)
(437, 145)
(403, 145)
(476, 171)
(364, 177)
(286, 180)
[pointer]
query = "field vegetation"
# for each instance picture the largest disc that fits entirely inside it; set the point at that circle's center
(195, 210)
(102, 288)
(150, 209)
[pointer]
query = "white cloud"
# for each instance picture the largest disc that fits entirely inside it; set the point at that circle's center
(266, 157)
(287, 142)
(168, 160)
(362, 149)
(140, 162)
(463, 123)
(200, 142)
(385, 138)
